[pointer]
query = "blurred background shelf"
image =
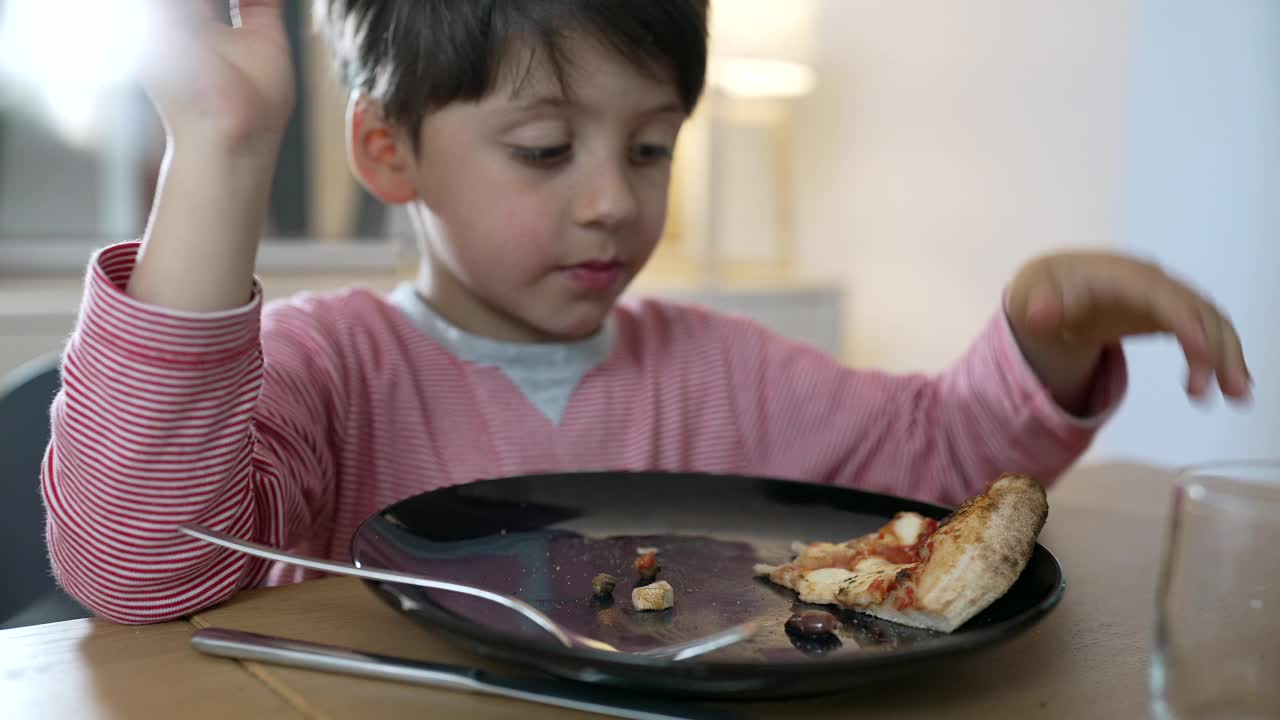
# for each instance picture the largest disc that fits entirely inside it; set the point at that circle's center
(37, 311)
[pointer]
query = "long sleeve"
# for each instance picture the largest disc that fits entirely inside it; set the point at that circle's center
(165, 418)
(939, 438)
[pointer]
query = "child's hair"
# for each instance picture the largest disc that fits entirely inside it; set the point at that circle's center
(413, 56)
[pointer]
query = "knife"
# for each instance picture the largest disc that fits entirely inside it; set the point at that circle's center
(566, 694)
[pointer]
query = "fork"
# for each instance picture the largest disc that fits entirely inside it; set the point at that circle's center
(567, 637)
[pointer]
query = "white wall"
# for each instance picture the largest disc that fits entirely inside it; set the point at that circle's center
(947, 143)
(1204, 198)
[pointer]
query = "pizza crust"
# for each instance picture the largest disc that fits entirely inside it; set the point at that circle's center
(970, 561)
(978, 552)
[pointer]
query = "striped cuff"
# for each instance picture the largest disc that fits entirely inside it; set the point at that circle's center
(150, 334)
(1108, 386)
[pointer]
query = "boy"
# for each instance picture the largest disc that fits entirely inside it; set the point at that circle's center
(531, 142)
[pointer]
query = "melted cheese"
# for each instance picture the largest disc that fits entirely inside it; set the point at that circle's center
(876, 565)
(825, 585)
(908, 527)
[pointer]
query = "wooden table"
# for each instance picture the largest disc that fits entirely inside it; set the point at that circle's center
(1086, 659)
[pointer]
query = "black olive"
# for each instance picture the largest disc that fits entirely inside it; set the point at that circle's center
(815, 644)
(812, 622)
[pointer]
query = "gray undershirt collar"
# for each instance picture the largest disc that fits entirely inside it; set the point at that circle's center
(546, 373)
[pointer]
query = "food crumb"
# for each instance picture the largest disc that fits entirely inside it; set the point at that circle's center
(647, 566)
(602, 585)
(658, 596)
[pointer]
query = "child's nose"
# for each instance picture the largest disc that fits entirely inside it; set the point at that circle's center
(606, 197)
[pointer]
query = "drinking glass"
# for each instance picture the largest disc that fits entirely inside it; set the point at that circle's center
(1217, 633)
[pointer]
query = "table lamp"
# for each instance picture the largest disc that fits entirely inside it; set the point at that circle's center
(760, 59)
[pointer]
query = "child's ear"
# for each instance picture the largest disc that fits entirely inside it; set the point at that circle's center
(381, 155)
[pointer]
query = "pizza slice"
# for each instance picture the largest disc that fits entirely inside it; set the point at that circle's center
(919, 572)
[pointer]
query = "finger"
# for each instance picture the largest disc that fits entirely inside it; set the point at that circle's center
(1217, 349)
(256, 13)
(181, 13)
(172, 29)
(1203, 366)
(1175, 310)
(1233, 371)
(208, 9)
(1215, 331)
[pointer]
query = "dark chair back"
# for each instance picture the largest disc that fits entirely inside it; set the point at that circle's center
(28, 594)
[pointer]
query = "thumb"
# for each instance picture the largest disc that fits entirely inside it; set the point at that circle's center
(1044, 308)
(1034, 304)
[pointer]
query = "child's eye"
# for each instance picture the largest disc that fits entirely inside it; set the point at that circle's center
(651, 153)
(542, 156)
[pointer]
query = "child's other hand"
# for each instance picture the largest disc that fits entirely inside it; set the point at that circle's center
(215, 83)
(1064, 309)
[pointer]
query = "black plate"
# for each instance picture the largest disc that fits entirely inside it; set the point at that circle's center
(542, 538)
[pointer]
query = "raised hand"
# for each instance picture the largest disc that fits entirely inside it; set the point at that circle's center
(1065, 308)
(225, 93)
(218, 82)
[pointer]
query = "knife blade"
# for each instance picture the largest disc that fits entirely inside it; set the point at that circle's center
(242, 645)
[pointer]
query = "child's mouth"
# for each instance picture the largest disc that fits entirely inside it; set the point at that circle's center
(595, 275)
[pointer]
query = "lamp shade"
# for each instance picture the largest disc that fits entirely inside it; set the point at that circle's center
(762, 48)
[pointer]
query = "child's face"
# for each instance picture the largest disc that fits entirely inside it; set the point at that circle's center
(542, 208)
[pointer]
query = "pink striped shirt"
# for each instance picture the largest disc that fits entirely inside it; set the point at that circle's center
(291, 424)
